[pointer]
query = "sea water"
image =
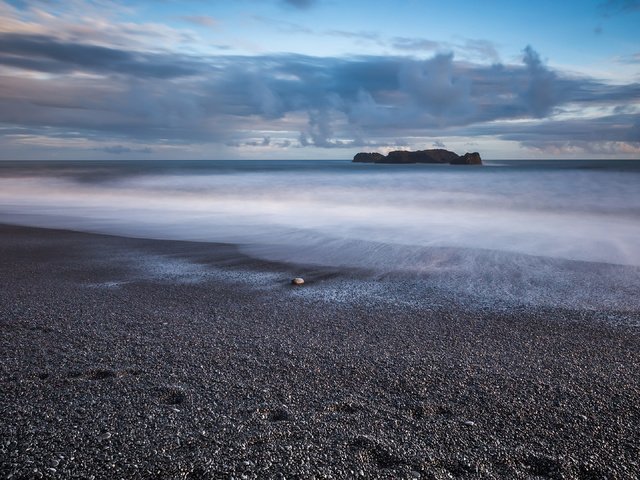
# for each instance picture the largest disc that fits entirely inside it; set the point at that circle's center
(506, 221)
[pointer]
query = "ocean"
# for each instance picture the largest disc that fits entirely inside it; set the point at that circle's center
(520, 229)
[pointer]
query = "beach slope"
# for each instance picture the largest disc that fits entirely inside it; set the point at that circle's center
(130, 358)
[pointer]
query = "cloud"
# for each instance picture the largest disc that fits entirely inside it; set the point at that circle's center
(471, 49)
(265, 142)
(480, 48)
(572, 147)
(435, 87)
(117, 95)
(96, 22)
(630, 59)
(610, 134)
(415, 44)
(541, 93)
(120, 150)
(361, 35)
(201, 20)
(47, 54)
(301, 4)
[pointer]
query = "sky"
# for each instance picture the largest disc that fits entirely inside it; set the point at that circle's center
(314, 79)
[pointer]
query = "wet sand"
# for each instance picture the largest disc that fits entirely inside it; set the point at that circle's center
(130, 358)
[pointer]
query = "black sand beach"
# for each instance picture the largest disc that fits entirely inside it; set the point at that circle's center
(128, 358)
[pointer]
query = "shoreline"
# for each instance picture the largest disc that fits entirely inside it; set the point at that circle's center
(145, 358)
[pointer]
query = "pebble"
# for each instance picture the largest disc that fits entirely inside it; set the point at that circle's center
(297, 281)
(469, 423)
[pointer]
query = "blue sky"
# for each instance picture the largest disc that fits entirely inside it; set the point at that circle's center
(115, 79)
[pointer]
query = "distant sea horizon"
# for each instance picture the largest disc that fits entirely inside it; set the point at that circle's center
(486, 161)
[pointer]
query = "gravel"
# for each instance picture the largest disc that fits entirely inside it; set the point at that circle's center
(109, 370)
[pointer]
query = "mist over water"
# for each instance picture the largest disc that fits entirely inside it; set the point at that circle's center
(505, 229)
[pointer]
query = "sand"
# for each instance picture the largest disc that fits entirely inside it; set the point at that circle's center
(130, 358)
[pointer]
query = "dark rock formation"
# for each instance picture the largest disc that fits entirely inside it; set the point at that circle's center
(436, 155)
(363, 157)
(399, 156)
(468, 159)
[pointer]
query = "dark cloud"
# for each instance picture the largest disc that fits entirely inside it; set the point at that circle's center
(265, 142)
(329, 102)
(47, 54)
(607, 134)
(302, 4)
(541, 93)
(435, 86)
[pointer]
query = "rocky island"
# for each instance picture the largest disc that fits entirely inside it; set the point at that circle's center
(436, 155)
